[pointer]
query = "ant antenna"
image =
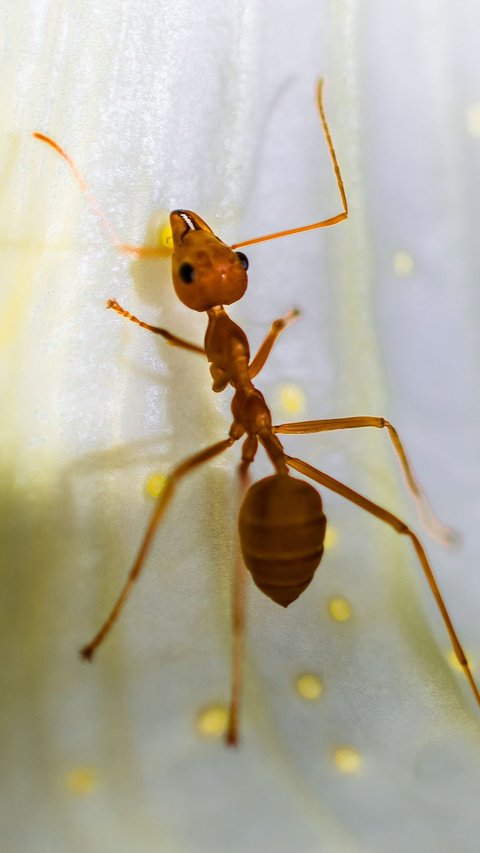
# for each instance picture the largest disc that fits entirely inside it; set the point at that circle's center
(125, 248)
(324, 222)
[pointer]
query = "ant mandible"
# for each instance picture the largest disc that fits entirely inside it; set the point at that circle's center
(281, 521)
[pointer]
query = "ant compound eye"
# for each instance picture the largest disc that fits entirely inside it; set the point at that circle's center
(186, 273)
(243, 260)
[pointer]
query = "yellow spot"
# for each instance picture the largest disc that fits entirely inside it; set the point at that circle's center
(403, 264)
(292, 398)
(166, 237)
(455, 663)
(82, 780)
(331, 537)
(155, 485)
(212, 721)
(309, 686)
(339, 609)
(347, 759)
(472, 119)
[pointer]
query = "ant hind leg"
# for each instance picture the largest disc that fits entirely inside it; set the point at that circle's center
(400, 527)
(239, 602)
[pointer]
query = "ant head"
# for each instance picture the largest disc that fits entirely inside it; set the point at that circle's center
(206, 272)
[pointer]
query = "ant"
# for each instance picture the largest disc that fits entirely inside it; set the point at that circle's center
(281, 521)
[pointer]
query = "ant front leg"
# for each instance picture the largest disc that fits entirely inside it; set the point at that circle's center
(172, 340)
(403, 529)
(433, 526)
(266, 347)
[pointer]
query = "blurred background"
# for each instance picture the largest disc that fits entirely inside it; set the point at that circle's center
(358, 733)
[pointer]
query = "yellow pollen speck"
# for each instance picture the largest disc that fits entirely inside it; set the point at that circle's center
(331, 537)
(472, 119)
(339, 609)
(82, 780)
(309, 686)
(455, 663)
(292, 398)
(166, 237)
(212, 721)
(403, 264)
(155, 485)
(347, 759)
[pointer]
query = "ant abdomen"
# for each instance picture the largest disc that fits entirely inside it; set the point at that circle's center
(282, 528)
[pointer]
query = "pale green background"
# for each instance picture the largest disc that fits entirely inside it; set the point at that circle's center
(210, 106)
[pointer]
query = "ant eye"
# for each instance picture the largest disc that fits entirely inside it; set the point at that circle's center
(186, 273)
(243, 260)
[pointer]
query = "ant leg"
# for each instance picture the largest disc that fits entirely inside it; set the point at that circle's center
(173, 340)
(402, 529)
(238, 603)
(433, 526)
(332, 220)
(266, 347)
(163, 501)
(137, 251)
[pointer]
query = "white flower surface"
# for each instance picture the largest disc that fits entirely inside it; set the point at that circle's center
(357, 733)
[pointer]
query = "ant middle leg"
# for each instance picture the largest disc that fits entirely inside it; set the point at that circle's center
(163, 501)
(432, 525)
(403, 529)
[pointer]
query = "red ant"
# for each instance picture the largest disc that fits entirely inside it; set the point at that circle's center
(281, 520)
